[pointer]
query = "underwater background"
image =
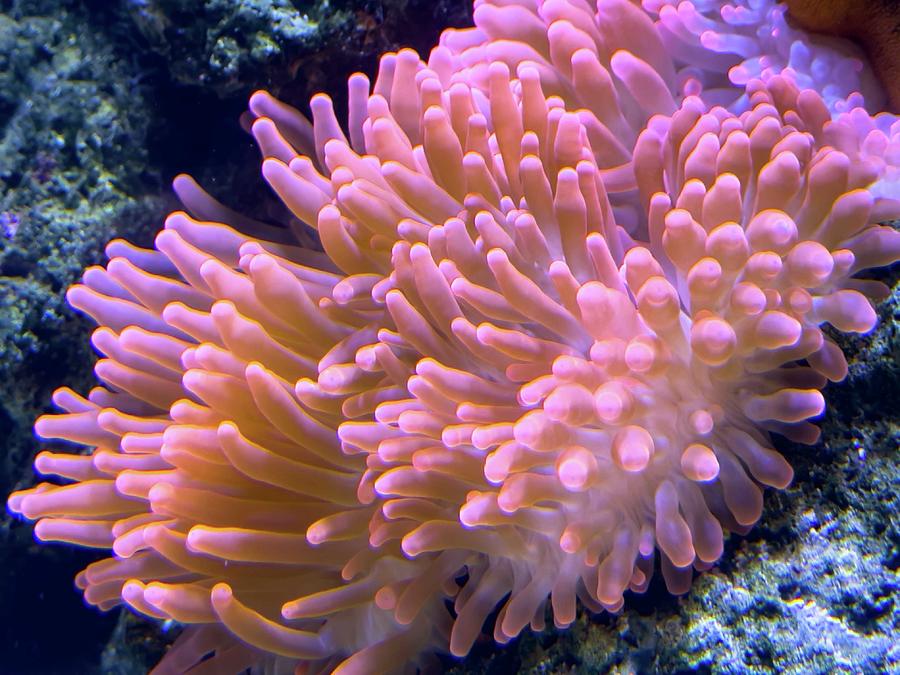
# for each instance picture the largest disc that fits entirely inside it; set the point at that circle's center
(103, 102)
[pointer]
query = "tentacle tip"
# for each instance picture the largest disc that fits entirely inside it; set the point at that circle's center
(221, 595)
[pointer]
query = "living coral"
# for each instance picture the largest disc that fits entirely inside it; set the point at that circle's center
(571, 278)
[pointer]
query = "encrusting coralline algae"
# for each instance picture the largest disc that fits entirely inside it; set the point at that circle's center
(574, 272)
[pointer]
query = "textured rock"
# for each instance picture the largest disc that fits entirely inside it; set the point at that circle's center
(73, 173)
(227, 46)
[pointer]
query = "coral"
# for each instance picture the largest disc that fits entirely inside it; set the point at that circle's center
(541, 343)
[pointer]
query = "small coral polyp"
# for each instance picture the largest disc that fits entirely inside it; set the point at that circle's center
(548, 334)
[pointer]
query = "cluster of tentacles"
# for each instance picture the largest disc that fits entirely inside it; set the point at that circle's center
(557, 300)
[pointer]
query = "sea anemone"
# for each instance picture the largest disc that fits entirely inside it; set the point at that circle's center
(873, 23)
(548, 333)
(742, 40)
